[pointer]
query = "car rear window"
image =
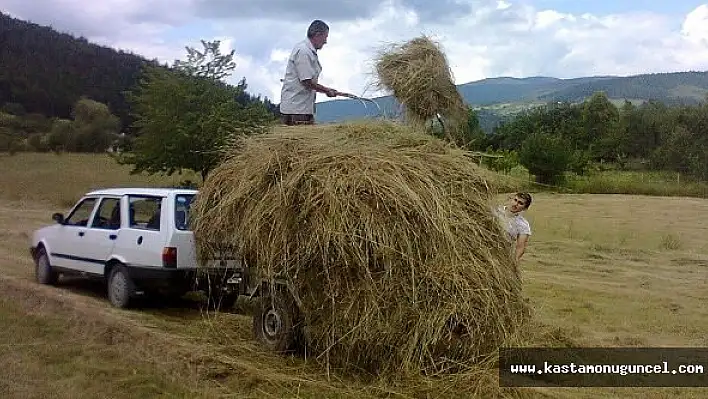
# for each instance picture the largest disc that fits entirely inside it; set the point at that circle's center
(183, 203)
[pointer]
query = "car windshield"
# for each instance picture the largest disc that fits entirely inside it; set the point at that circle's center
(183, 203)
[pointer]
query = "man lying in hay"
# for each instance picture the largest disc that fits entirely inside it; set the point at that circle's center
(383, 239)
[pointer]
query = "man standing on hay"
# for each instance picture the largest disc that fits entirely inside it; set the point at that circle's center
(300, 87)
(516, 226)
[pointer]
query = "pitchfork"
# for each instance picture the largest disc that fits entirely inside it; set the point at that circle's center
(355, 97)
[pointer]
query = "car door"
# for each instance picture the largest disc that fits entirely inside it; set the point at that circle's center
(66, 248)
(142, 239)
(100, 238)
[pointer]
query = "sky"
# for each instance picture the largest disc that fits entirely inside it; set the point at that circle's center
(481, 38)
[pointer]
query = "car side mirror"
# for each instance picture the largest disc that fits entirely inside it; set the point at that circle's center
(58, 217)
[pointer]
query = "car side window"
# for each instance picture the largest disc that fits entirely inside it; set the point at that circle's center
(145, 212)
(108, 215)
(183, 203)
(81, 214)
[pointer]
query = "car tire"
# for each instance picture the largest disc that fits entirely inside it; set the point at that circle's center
(44, 272)
(120, 288)
(274, 323)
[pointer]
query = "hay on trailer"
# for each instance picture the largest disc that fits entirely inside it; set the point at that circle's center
(385, 236)
(417, 73)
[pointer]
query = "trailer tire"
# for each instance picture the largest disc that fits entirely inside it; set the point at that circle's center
(274, 323)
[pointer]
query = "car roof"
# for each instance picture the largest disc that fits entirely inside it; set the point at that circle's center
(162, 192)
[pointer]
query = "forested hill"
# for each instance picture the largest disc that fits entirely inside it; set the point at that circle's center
(46, 72)
(669, 88)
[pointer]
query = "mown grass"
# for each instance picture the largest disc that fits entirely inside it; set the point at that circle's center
(600, 270)
(52, 349)
(49, 356)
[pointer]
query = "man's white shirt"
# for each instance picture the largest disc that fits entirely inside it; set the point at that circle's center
(303, 64)
(514, 225)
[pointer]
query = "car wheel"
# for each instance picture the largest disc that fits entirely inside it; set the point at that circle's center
(120, 287)
(274, 323)
(44, 272)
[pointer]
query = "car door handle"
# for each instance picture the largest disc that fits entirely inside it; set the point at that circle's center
(81, 233)
(113, 236)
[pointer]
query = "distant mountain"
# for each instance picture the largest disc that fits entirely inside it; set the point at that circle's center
(497, 98)
(510, 90)
(684, 87)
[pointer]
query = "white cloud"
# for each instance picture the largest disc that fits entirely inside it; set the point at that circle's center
(549, 18)
(695, 26)
(279, 55)
(495, 38)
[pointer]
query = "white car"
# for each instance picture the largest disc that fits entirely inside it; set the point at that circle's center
(137, 239)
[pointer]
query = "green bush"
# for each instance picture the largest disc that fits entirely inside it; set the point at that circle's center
(546, 156)
(501, 161)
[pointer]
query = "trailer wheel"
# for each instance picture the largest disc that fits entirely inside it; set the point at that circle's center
(274, 323)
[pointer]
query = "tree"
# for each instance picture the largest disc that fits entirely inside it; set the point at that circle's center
(655, 123)
(626, 125)
(600, 119)
(564, 119)
(209, 63)
(59, 136)
(94, 127)
(184, 117)
(501, 161)
(511, 134)
(473, 137)
(685, 147)
(580, 161)
(546, 156)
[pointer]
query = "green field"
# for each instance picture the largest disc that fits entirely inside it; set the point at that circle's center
(600, 270)
(59, 179)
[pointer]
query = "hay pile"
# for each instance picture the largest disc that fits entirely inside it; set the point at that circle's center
(418, 75)
(384, 234)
